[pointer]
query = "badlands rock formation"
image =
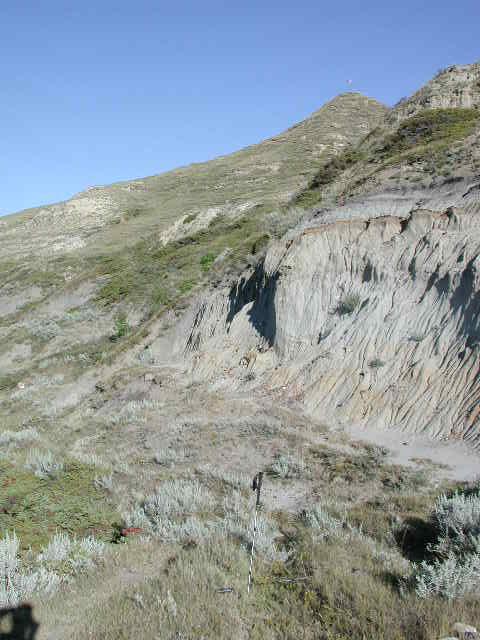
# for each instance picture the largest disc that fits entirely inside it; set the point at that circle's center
(370, 320)
(365, 313)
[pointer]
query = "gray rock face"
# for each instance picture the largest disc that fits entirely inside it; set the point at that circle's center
(455, 86)
(372, 320)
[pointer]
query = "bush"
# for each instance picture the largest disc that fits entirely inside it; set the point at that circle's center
(43, 464)
(172, 502)
(69, 555)
(206, 261)
(287, 466)
(185, 510)
(330, 171)
(451, 578)
(376, 363)
(416, 337)
(44, 328)
(104, 482)
(22, 436)
(323, 523)
(348, 304)
(10, 589)
(455, 569)
(456, 520)
(432, 125)
(122, 327)
(42, 575)
(190, 218)
(234, 479)
(169, 457)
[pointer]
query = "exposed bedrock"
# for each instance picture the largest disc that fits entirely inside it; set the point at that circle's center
(367, 321)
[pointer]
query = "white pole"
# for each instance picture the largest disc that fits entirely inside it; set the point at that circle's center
(250, 571)
(256, 486)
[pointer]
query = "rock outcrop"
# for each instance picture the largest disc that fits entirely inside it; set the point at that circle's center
(455, 86)
(369, 320)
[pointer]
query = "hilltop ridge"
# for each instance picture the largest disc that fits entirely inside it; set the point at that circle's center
(268, 173)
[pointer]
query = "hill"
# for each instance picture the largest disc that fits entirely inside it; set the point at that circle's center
(307, 307)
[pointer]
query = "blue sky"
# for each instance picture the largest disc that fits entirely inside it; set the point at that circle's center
(99, 91)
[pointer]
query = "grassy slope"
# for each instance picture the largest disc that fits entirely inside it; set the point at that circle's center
(120, 227)
(266, 173)
(36, 508)
(427, 141)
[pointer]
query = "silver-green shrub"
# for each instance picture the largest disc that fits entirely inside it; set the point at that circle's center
(288, 466)
(455, 570)
(61, 559)
(450, 578)
(43, 463)
(17, 437)
(456, 520)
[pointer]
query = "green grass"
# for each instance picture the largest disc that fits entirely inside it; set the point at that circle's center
(161, 275)
(206, 261)
(122, 327)
(432, 129)
(36, 508)
(426, 137)
(8, 382)
(186, 286)
(364, 465)
(328, 174)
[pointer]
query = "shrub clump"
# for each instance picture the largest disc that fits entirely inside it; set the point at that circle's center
(42, 574)
(185, 510)
(348, 304)
(328, 174)
(122, 327)
(172, 505)
(432, 126)
(8, 438)
(287, 466)
(455, 569)
(43, 464)
(206, 261)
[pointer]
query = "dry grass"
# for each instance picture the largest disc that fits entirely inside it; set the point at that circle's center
(333, 589)
(346, 573)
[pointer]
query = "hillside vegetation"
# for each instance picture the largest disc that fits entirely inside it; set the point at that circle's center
(424, 141)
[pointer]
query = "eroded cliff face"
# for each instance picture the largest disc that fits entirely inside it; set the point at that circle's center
(363, 320)
(455, 86)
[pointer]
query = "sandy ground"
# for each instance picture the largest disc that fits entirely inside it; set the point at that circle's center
(462, 463)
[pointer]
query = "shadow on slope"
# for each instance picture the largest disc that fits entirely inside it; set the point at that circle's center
(259, 289)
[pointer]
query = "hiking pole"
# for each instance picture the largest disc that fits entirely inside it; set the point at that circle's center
(256, 486)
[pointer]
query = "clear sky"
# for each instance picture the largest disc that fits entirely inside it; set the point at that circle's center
(95, 91)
